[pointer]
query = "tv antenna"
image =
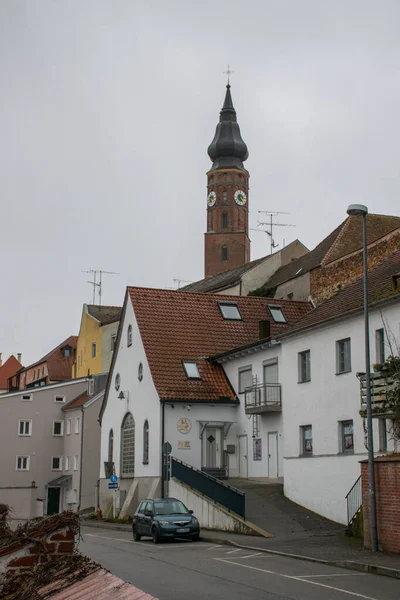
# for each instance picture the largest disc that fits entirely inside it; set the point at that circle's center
(179, 281)
(97, 282)
(271, 224)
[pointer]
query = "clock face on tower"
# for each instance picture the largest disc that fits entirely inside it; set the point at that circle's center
(211, 199)
(240, 197)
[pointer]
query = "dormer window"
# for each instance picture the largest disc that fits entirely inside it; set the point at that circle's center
(66, 351)
(230, 311)
(277, 314)
(191, 369)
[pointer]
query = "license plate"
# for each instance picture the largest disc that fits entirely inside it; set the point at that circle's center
(183, 530)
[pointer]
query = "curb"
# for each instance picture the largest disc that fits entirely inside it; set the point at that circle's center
(100, 525)
(344, 564)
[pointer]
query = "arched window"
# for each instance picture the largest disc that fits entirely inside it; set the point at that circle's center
(128, 446)
(224, 219)
(146, 443)
(110, 445)
(130, 335)
(224, 252)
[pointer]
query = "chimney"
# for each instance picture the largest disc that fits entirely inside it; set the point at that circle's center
(19, 357)
(1, 360)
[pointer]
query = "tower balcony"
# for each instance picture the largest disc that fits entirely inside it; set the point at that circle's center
(263, 398)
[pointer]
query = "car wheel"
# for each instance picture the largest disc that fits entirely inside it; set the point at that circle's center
(136, 536)
(196, 537)
(155, 535)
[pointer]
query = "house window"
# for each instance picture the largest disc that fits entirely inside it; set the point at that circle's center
(346, 437)
(58, 427)
(128, 446)
(67, 352)
(146, 443)
(225, 196)
(140, 372)
(24, 427)
(383, 438)
(94, 350)
(42, 371)
(304, 366)
(230, 311)
(26, 398)
(59, 399)
(22, 463)
(343, 356)
(34, 374)
(380, 346)
(306, 440)
(91, 387)
(245, 379)
(277, 314)
(66, 463)
(129, 335)
(224, 219)
(117, 381)
(76, 462)
(113, 340)
(191, 369)
(69, 426)
(224, 253)
(56, 463)
(110, 445)
(77, 424)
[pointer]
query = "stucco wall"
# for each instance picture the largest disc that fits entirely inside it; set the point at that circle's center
(91, 454)
(90, 331)
(299, 287)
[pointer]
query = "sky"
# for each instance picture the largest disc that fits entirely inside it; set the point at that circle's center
(107, 108)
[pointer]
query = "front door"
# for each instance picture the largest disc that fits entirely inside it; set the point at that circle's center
(212, 436)
(273, 454)
(53, 500)
(243, 468)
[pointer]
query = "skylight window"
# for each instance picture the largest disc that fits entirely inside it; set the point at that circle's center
(230, 311)
(277, 314)
(191, 369)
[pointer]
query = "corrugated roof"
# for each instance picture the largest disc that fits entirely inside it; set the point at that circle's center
(105, 314)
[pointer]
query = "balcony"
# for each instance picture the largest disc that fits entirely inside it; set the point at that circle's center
(263, 398)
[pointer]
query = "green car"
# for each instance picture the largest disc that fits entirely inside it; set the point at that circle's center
(164, 518)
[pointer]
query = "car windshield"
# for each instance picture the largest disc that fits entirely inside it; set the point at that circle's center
(170, 507)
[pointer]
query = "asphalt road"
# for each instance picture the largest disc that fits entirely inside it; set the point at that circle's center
(199, 570)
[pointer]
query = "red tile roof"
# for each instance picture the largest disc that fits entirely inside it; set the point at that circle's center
(177, 326)
(59, 368)
(80, 400)
(8, 369)
(383, 283)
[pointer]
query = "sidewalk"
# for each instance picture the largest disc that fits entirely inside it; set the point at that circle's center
(332, 548)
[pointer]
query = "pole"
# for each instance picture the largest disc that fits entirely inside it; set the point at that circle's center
(371, 466)
(162, 448)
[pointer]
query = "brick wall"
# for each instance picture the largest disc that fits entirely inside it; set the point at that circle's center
(387, 483)
(326, 280)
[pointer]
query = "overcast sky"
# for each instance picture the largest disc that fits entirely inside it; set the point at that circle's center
(106, 111)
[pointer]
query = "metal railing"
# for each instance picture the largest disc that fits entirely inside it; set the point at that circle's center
(263, 394)
(226, 495)
(354, 500)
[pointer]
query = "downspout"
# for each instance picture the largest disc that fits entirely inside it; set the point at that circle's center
(81, 461)
(162, 447)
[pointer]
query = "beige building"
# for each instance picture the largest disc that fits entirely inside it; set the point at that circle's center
(50, 440)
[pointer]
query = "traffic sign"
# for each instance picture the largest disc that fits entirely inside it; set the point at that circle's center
(167, 448)
(114, 478)
(113, 486)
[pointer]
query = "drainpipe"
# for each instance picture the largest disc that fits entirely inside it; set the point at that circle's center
(81, 461)
(162, 447)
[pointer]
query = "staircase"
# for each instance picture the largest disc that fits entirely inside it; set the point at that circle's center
(354, 502)
(218, 473)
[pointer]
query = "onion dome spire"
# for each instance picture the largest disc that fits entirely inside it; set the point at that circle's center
(227, 150)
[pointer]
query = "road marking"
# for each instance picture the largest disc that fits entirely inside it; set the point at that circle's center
(230, 562)
(232, 551)
(215, 546)
(333, 575)
(255, 554)
(106, 537)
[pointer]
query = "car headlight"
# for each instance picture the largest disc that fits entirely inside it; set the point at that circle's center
(195, 521)
(164, 523)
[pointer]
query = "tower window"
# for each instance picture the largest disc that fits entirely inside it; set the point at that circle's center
(224, 219)
(225, 196)
(224, 252)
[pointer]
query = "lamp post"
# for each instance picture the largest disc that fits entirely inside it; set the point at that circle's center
(357, 210)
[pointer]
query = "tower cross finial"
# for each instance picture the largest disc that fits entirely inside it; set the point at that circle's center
(228, 73)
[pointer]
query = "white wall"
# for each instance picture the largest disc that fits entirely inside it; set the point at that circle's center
(143, 402)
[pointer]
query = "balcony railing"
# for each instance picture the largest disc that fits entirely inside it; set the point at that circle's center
(381, 384)
(264, 397)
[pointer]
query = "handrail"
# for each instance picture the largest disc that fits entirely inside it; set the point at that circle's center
(263, 394)
(354, 500)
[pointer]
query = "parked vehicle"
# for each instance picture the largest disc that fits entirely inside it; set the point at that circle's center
(164, 518)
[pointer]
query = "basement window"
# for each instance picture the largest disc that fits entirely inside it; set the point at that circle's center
(230, 311)
(277, 314)
(191, 369)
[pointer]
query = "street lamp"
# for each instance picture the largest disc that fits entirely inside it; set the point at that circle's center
(359, 210)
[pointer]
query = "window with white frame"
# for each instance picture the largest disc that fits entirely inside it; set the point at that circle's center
(26, 397)
(304, 366)
(22, 463)
(346, 429)
(128, 446)
(129, 336)
(343, 356)
(24, 427)
(66, 463)
(76, 460)
(306, 440)
(245, 379)
(58, 428)
(59, 399)
(380, 346)
(56, 463)
(230, 311)
(77, 424)
(191, 369)
(69, 426)
(94, 349)
(277, 313)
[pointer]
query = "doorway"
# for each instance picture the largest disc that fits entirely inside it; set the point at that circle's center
(53, 500)
(273, 469)
(243, 464)
(213, 447)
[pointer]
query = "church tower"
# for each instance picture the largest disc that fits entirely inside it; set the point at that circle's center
(227, 243)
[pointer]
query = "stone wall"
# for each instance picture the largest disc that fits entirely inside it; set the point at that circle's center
(387, 484)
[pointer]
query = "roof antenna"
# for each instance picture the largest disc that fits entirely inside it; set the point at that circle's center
(97, 282)
(271, 224)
